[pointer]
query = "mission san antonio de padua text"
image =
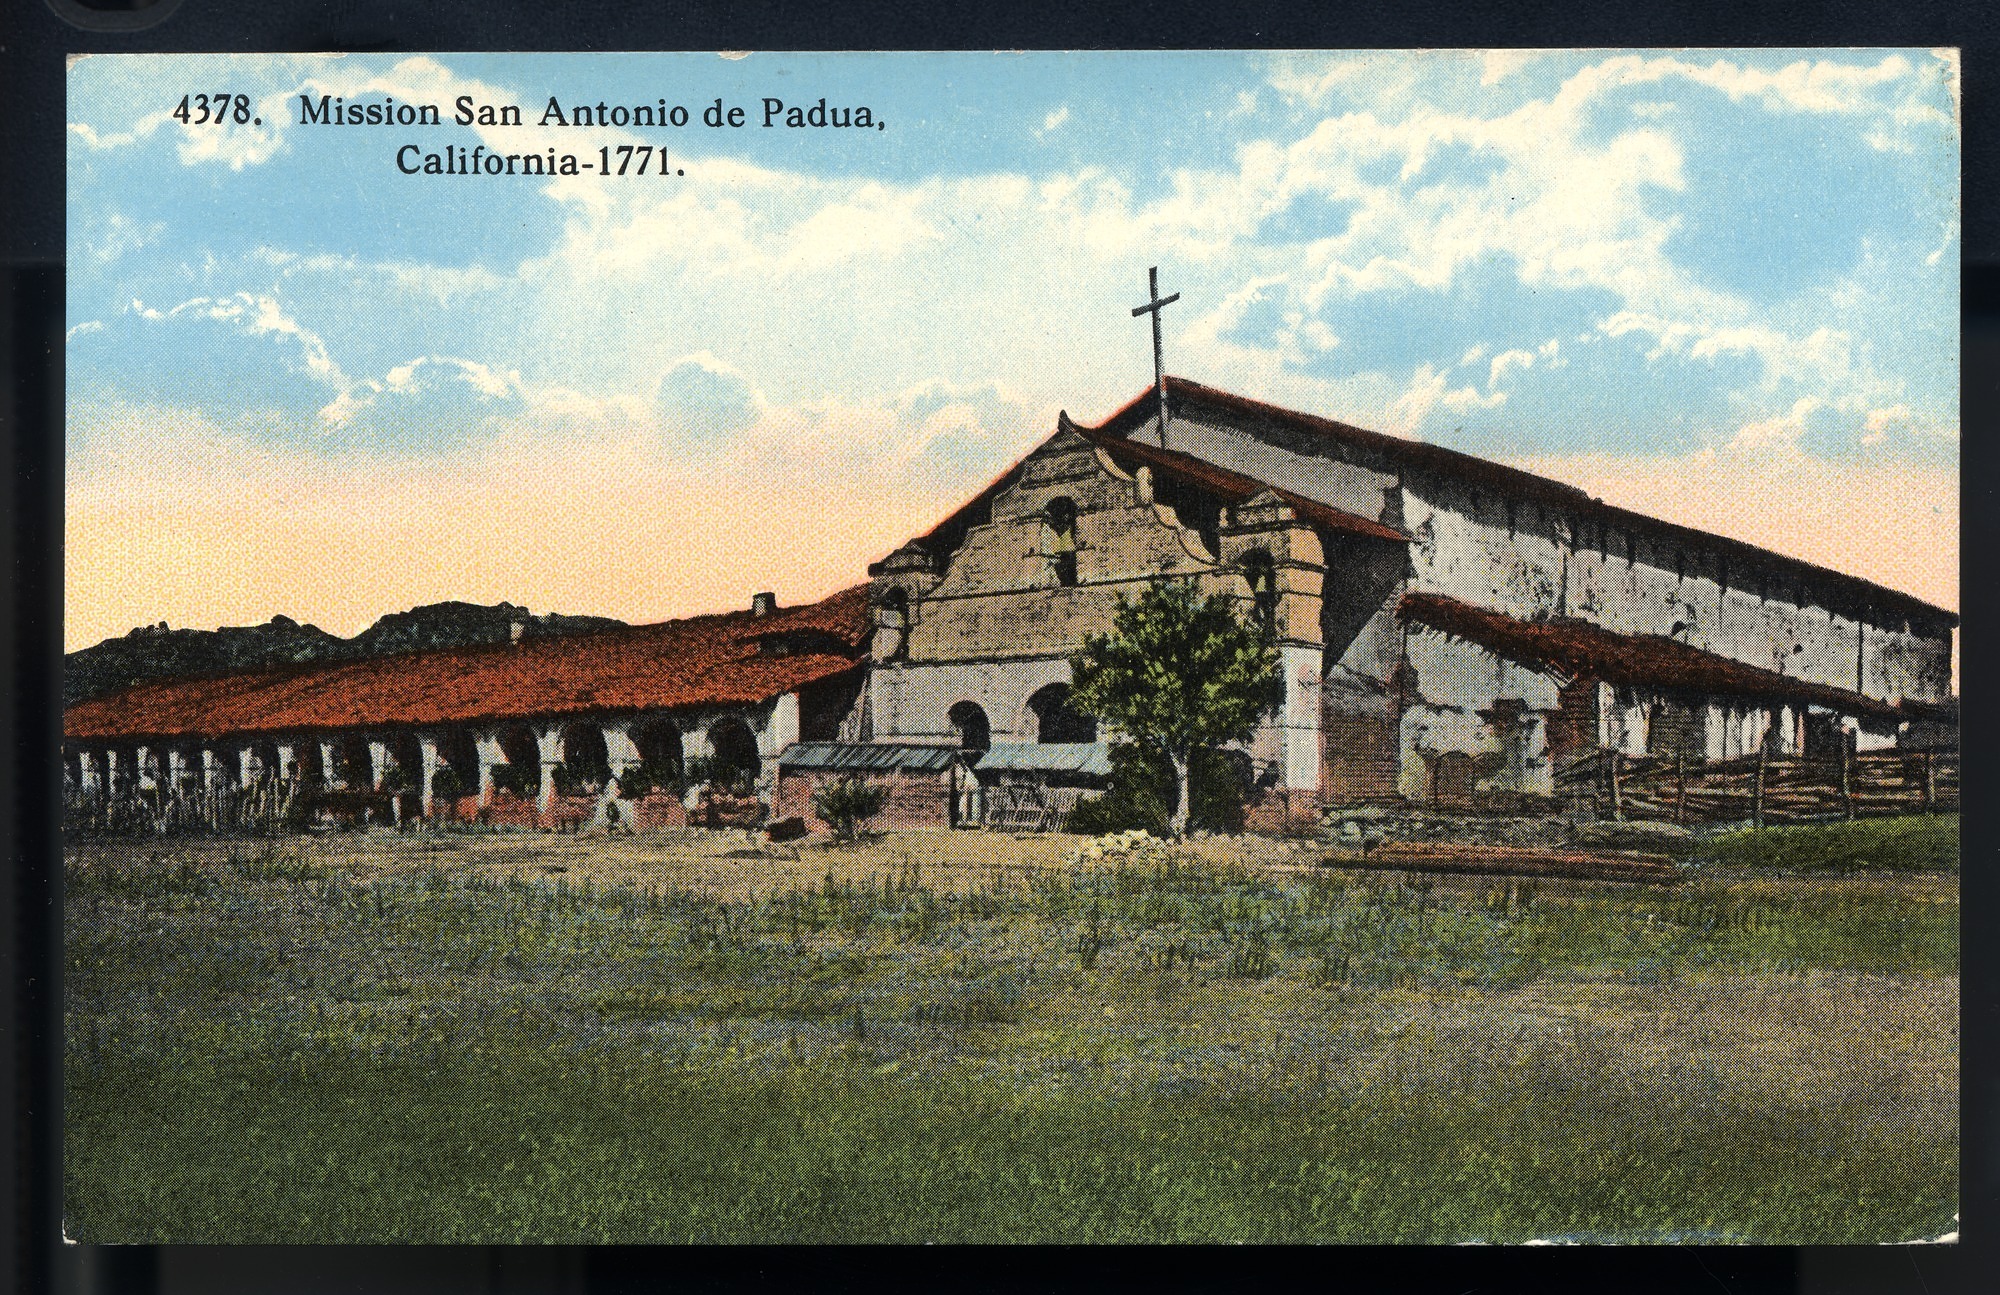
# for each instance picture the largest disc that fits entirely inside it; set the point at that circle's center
(623, 159)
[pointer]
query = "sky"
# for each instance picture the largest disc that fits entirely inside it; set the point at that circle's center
(1718, 287)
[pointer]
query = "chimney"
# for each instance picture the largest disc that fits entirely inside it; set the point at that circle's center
(763, 604)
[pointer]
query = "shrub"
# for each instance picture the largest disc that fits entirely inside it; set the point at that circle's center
(579, 782)
(1142, 793)
(449, 784)
(648, 776)
(848, 803)
(396, 778)
(517, 779)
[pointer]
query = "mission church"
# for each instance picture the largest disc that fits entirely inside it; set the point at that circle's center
(1452, 632)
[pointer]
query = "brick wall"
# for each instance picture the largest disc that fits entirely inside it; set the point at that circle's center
(1281, 811)
(656, 810)
(1572, 726)
(915, 799)
(1359, 758)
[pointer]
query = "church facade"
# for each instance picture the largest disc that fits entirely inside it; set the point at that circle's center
(1451, 631)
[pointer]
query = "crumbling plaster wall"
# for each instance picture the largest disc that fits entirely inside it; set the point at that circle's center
(1548, 562)
(1457, 688)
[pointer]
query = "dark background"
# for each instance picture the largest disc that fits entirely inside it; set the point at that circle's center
(34, 37)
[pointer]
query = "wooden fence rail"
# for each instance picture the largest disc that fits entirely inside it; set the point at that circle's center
(1759, 790)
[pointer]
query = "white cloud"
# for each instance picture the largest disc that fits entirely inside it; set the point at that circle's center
(1779, 429)
(1054, 119)
(1515, 359)
(1427, 392)
(1496, 65)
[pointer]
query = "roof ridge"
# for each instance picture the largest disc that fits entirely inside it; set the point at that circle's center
(1443, 458)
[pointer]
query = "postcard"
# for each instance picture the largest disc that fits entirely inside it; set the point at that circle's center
(1012, 647)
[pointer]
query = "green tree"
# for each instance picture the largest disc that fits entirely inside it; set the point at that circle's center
(1180, 673)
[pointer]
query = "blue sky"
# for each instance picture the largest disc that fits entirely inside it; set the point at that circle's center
(1718, 286)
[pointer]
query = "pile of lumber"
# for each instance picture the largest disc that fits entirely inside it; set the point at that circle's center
(1510, 861)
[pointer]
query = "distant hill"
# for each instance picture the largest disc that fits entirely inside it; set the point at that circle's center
(156, 652)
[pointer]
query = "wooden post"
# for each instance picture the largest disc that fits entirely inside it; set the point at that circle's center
(1930, 785)
(1757, 792)
(1680, 785)
(1846, 780)
(1617, 792)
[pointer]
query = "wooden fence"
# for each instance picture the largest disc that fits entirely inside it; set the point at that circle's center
(1028, 806)
(266, 806)
(1757, 789)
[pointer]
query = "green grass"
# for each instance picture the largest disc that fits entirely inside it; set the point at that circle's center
(271, 1051)
(1915, 844)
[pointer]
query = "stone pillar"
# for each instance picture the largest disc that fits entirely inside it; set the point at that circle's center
(288, 761)
(619, 747)
(142, 760)
(779, 732)
(378, 764)
(1714, 726)
(549, 744)
(1299, 719)
(176, 767)
(486, 747)
(86, 770)
(210, 767)
(329, 764)
(111, 771)
(244, 755)
(427, 752)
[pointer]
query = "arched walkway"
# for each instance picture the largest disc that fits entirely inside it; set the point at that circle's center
(458, 753)
(735, 762)
(522, 773)
(586, 761)
(224, 766)
(354, 764)
(1056, 720)
(311, 769)
(405, 771)
(659, 745)
(264, 764)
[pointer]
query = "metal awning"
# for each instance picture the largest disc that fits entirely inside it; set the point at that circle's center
(858, 756)
(1091, 758)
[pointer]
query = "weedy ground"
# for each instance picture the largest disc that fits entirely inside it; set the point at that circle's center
(957, 1037)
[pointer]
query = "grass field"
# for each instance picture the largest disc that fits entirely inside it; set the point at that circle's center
(957, 1037)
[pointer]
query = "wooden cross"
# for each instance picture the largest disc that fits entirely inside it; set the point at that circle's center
(1159, 367)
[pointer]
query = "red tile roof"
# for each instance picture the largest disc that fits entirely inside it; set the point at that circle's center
(1185, 395)
(1581, 650)
(700, 662)
(1233, 487)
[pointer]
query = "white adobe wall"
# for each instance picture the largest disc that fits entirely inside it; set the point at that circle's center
(912, 702)
(1467, 552)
